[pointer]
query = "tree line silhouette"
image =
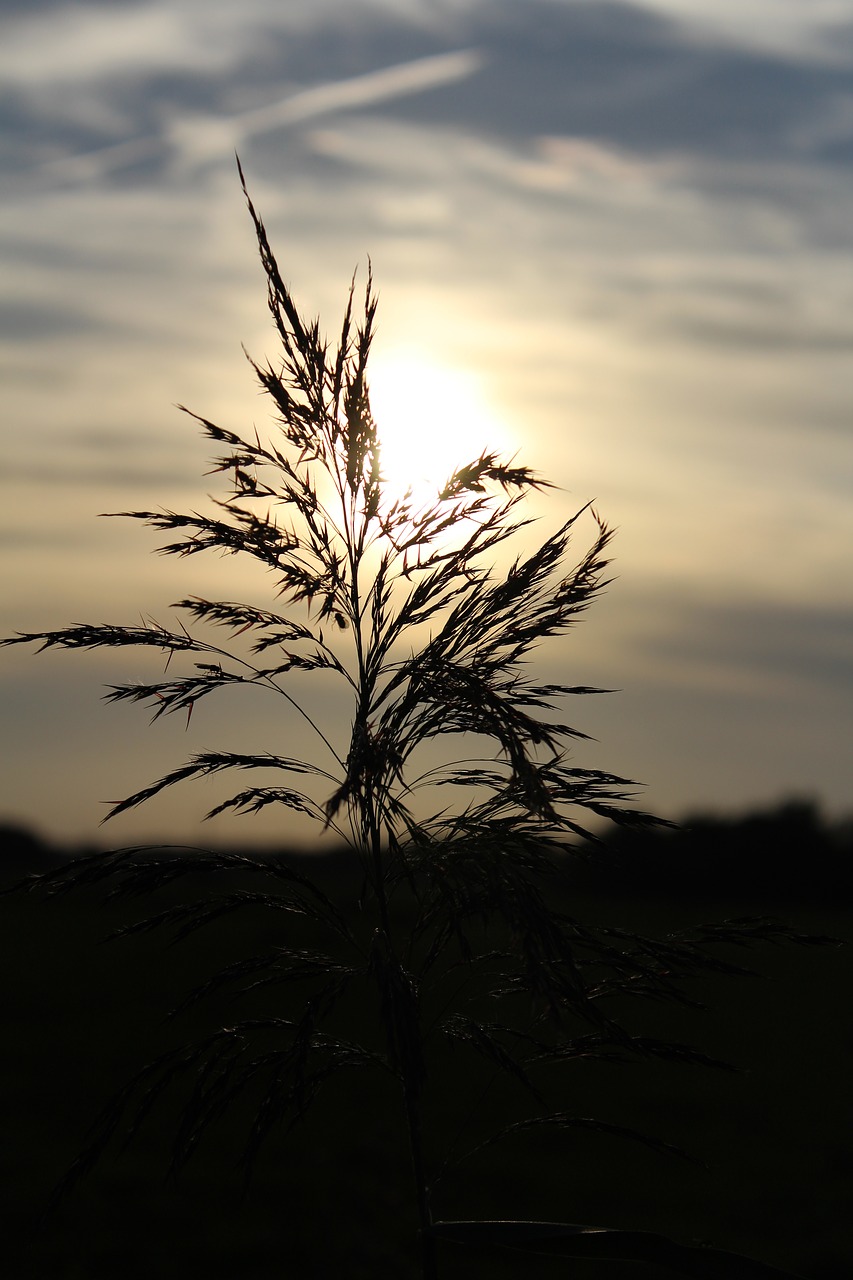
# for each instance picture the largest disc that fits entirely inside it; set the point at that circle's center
(790, 853)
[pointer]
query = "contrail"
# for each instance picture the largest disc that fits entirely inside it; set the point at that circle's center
(201, 138)
(375, 86)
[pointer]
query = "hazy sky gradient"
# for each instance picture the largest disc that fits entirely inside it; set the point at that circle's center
(619, 234)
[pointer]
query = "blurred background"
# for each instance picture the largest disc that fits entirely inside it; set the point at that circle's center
(613, 239)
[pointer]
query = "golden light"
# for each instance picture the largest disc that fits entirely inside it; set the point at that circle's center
(432, 418)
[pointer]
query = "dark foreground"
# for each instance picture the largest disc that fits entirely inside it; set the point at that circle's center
(774, 1171)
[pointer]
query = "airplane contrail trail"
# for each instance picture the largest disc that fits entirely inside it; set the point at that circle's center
(201, 138)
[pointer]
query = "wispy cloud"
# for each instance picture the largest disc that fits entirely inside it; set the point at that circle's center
(786, 28)
(194, 139)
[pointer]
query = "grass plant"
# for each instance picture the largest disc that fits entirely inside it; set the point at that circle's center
(461, 941)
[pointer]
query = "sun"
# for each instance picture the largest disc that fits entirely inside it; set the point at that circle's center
(432, 418)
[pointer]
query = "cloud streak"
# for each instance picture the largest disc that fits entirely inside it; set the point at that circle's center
(197, 139)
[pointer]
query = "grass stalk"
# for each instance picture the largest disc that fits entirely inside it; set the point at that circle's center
(404, 604)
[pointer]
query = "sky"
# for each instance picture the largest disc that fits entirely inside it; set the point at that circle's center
(613, 239)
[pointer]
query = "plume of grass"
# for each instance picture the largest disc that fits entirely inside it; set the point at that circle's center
(403, 605)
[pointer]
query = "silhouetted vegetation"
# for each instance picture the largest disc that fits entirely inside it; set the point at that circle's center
(781, 857)
(773, 1174)
(786, 856)
(444, 983)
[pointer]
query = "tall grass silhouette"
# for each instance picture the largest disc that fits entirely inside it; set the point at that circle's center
(458, 938)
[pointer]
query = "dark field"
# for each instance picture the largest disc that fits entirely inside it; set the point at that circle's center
(772, 1142)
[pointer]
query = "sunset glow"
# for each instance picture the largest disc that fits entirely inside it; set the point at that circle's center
(432, 419)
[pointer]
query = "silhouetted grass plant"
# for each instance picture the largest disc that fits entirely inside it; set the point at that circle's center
(403, 605)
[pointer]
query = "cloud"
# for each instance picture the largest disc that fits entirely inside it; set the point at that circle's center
(152, 83)
(24, 320)
(81, 474)
(729, 702)
(206, 138)
(782, 28)
(196, 138)
(364, 90)
(84, 43)
(766, 648)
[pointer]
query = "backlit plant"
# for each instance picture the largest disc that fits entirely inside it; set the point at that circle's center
(431, 642)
